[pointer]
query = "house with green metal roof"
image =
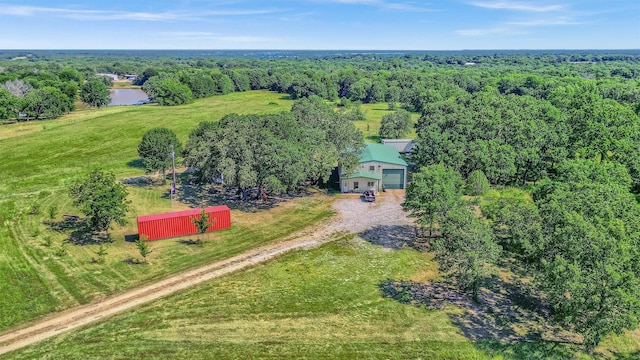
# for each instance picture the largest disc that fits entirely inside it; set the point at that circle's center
(380, 167)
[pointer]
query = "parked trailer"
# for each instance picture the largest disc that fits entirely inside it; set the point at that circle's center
(178, 223)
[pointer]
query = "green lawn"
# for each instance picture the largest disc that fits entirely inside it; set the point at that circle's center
(371, 126)
(46, 154)
(41, 158)
(324, 303)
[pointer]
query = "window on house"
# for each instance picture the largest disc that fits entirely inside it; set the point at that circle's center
(372, 168)
(370, 184)
(355, 185)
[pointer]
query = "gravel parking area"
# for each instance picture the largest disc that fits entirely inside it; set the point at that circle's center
(355, 215)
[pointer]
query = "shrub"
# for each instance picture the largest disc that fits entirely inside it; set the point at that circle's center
(477, 184)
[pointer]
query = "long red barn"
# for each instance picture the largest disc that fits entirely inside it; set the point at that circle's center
(178, 223)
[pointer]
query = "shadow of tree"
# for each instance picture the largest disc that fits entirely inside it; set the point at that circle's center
(496, 317)
(208, 195)
(189, 242)
(144, 181)
(395, 237)
(78, 230)
(537, 350)
(70, 223)
(136, 163)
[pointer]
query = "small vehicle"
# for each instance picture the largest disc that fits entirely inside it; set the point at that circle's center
(369, 196)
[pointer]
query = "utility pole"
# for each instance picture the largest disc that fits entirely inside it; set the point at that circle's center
(173, 168)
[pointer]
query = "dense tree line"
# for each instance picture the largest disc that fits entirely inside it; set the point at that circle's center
(413, 79)
(578, 238)
(275, 152)
(514, 139)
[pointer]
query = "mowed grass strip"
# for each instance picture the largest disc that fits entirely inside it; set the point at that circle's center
(42, 281)
(322, 303)
(41, 158)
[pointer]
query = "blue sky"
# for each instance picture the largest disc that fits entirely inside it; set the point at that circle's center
(320, 24)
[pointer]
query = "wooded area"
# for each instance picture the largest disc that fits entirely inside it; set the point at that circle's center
(561, 128)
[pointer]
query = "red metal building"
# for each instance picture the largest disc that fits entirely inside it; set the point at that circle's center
(178, 223)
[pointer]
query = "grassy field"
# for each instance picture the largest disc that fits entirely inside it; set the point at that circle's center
(371, 126)
(325, 303)
(41, 158)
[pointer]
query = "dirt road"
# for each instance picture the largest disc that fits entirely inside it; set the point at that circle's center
(353, 215)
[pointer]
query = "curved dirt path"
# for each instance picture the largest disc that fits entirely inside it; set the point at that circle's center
(353, 215)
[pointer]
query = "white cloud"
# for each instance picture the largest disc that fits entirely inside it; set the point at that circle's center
(406, 7)
(395, 6)
(547, 22)
(518, 6)
(97, 15)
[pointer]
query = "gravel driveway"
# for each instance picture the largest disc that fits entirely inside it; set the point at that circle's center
(356, 215)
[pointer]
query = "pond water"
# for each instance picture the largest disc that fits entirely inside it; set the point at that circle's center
(128, 97)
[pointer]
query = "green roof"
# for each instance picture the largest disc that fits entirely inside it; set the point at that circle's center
(362, 174)
(381, 153)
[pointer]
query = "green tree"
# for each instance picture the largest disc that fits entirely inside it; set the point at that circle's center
(203, 223)
(143, 248)
(155, 150)
(201, 85)
(465, 248)
(101, 198)
(223, 84)
(395, 125)
(7, 104)
(263, 151)
(46, 103)
(167, 90)
(589, 267)
(477, 184)
(432, 193)
(334, 138)
(517, 225)
(94, 92)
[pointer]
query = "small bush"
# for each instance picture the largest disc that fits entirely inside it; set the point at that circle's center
(48, 241)
(477, 184)
(62, 251)
(35, 230)
(34, 209)
(53, 211)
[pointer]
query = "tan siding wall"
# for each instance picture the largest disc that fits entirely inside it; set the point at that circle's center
(362, 185)
(379, 166)
(377, 169)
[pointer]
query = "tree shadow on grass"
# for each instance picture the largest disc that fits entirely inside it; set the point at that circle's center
(189, 242)
(395, 237)
(136, 163)
(199, 196)
(144, 181)
(79, 231)
(533, 350)
(505, 318)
